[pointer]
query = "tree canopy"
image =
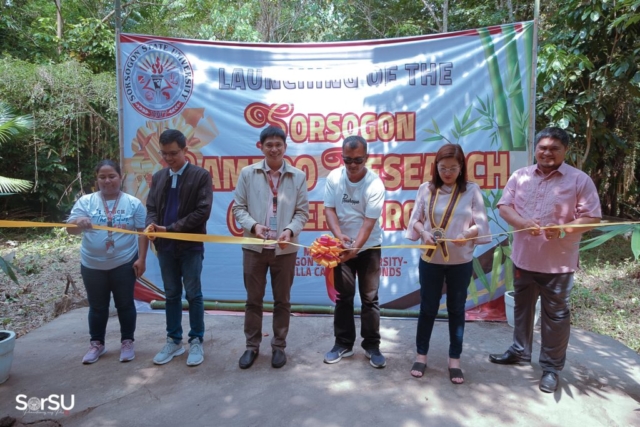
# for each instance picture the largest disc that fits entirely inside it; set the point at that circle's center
(57, 59)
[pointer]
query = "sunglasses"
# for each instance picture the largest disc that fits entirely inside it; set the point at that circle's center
(357, 160)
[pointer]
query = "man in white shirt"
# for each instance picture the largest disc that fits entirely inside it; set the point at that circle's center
(353, 201)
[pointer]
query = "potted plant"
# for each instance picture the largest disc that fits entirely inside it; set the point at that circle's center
(7, 343)
(7, 338)
(509, 304)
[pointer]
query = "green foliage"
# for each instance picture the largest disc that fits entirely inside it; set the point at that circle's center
(612, 231)
(589, 84)
(18, 26)
(91, 41)
(605, 294)
(588, 74)
(11, 126)
(75, 114)
(7, 268)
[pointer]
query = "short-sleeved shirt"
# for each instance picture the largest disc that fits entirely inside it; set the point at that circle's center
(355, 201)
(130, 215)
(560, 197)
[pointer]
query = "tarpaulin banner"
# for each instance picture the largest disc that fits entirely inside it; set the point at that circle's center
(407, 97)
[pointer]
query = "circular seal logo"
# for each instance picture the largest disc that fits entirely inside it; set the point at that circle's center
(157, 80)
(33, 404)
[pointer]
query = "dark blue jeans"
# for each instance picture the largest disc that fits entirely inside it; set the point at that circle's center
(100, 284)
(178, 269)
(366, 267)
(432, 278)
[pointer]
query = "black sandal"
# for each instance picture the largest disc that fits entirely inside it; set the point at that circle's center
(456, 373)
(420, 367)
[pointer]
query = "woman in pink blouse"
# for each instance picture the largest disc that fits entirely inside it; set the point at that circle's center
(449, 212)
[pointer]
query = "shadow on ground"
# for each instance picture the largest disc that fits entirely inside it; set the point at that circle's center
(599, 386)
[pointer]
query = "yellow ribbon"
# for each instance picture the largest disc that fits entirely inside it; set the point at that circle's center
(549, 227)
(189, 237)
(212, 238)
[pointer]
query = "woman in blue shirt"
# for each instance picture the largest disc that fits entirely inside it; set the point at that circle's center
(110, 261)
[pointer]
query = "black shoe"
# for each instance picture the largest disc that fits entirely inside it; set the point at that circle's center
(247, 359)
(549, 382)
(507, 358)
(278, 358)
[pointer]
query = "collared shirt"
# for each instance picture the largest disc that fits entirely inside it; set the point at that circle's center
(252, 191)
(556, 198)
(174, 175)
(275, 177)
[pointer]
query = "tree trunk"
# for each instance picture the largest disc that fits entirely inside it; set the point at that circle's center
(445, 16)
(60, 24)
(510, 8)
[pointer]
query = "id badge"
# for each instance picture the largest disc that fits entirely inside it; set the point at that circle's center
(273, 226)
(111, 246)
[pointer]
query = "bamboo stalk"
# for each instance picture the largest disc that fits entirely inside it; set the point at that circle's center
(502, 111)
(295, 308)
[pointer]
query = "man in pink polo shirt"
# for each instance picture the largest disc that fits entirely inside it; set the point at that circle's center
(547, 193)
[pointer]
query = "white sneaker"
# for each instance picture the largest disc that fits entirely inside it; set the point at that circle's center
(96, 350)
(170, 350)
(126, 351)
(196, 354)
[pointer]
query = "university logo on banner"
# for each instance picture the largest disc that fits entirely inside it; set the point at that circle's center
(158, 80)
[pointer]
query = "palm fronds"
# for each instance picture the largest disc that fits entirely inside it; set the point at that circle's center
(12, 185)
(10, 124)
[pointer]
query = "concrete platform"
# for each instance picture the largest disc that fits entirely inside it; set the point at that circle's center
(600, 385)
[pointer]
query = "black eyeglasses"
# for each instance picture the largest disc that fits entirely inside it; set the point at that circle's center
(357, 160)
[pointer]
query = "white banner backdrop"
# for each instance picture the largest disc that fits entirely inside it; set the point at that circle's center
(406, 97)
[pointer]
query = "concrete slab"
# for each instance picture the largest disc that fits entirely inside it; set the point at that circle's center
(599, 386)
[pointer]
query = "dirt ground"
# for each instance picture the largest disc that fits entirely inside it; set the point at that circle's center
(49, 282)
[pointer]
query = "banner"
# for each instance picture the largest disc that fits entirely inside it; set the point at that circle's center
(407, 97)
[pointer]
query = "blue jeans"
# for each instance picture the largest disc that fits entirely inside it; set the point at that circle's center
(432, 278)
(366, 267)
(100, 284)
(178, 269)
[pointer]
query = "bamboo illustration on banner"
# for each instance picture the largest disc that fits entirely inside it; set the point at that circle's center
(501, 264)
(506, 112)
(512, 116)
(519, 116)
(499, 94)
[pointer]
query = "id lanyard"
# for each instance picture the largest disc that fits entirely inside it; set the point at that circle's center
(273, 221)
(110, 243)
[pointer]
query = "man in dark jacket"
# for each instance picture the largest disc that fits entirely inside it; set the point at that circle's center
(180, 201)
